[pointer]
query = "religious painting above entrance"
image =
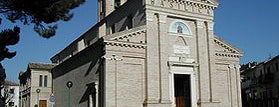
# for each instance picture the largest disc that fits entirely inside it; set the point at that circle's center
(179, 27)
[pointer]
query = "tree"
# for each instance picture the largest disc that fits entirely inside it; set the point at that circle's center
(42, 14)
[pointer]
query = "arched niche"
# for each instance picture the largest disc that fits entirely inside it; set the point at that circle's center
(179, 28)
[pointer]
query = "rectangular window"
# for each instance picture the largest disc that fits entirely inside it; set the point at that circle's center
(12, 91)
(41, 81)
(45, 81)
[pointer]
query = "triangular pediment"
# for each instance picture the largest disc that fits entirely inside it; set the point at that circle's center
(222, 46)
(135, 35)
(211, 2)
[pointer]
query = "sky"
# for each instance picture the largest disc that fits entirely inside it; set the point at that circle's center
(250, 25)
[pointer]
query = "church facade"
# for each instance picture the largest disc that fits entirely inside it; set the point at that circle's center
(149, 53)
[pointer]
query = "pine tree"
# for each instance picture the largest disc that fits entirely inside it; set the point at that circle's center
(42, 14)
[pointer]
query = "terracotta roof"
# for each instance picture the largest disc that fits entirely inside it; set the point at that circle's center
(10, 83)
(41, 65)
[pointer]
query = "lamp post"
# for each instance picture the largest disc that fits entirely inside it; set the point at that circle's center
(69, 85)
(38, 92)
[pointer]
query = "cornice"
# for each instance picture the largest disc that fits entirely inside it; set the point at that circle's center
(224, 54)
(174, 63)
(126, 33)
(194, 9)
(227, 46)
(200, 4)
(125, 44)
(232, 52)
(129, 35)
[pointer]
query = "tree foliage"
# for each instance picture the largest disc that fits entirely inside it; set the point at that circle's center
(8, 37)
(42, 14)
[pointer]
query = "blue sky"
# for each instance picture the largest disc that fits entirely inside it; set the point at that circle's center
(250, 25)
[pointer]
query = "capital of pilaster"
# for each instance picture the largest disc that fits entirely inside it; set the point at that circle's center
(237, 66)
(113, 57)
(231, 66)
(200, 23)
(210, 25)
(149, 16)
(162, 18)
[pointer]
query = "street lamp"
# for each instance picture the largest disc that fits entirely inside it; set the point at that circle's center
(69, 85)
(38, 92)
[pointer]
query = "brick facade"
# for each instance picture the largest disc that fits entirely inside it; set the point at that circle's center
(130, 58)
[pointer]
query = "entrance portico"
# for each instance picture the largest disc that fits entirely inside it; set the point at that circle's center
(183, 84)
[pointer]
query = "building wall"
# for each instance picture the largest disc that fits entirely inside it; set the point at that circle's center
(125, 75)
(125, 82)
(106, 7)
(130, 12)
(78, 45)
(82, 70)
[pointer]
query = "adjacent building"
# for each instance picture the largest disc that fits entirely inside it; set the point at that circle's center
(36, 85)
(260, 83)
(149, 53)
(11, 93)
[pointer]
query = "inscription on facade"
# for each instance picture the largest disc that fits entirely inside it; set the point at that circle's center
(181, 49)
(190, 6)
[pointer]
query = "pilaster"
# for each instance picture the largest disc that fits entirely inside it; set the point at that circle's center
(152, 56)
(211, 55)
(203, 60)
(239, 99)
(163, 53)
(111, 79)
(233, 85)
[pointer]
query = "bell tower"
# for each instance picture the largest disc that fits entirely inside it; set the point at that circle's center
(105, 7)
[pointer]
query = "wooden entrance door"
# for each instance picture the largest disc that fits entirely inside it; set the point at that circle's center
(43, 103)
(182, 89)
